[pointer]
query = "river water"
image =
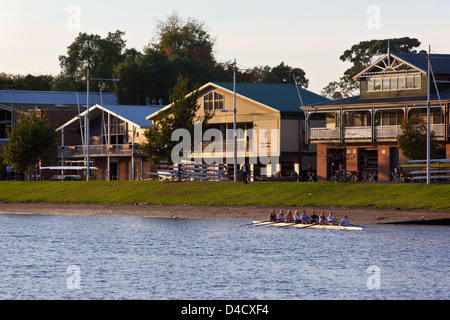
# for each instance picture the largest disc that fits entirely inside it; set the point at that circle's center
(73, 257)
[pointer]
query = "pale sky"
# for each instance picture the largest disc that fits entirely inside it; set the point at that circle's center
(308, 34)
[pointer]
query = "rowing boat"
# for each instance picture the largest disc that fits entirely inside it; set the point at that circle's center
(302, 226)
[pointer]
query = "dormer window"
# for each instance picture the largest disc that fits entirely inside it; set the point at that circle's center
(394, 83)
(213, 101)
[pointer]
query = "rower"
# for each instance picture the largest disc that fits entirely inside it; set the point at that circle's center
(280, 216)
(345, 222)
(305, 218)
(288, 218)
(331, 219)
(272, 216)
(314, 217)
(297, 217)
(322, 219)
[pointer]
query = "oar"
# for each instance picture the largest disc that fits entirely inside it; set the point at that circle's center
(355, 225)
(308, 225)
(288, 226)
(258, 223)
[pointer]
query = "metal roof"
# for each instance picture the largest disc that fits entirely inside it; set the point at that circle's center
(278, 96)
(56, 97)
(439, 62)
(135, 115)
(353, 101)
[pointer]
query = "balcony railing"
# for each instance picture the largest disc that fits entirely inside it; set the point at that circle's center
(439, 129)
(324, 133)
(381, 132)
(387, 132)
(98, 150)
(358, 132)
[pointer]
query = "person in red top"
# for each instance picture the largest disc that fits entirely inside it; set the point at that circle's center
(289, 218)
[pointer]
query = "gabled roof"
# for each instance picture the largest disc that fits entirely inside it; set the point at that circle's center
(440, 63)
(134, 115)
(279, 97)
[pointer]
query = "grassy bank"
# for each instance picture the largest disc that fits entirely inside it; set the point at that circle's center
(401, 196)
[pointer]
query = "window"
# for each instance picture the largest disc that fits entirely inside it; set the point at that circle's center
(357, 119)
(394, 83)
(386, 84)
(417, 82)
(377, 84)
(213, 101)
(409, 83)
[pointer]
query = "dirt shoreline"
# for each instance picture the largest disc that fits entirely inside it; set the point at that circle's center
(357, 216)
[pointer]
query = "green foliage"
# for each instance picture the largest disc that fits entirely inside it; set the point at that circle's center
(283, 74)
(181, 115)
(30, 141)
(101, 55)
(413, 140)
(28, 82)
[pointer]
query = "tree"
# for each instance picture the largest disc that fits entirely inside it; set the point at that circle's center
(30, 142)
(182, 46)
(176, 36)
(362, 55)
(284, 74)
(100, 55)
(413, 140)
(181, 115)
(28, 82)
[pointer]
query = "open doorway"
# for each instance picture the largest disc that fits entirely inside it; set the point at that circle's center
(335, 157)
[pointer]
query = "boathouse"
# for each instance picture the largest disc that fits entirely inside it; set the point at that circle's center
(361, 132)
(115, 133)
(261, 108)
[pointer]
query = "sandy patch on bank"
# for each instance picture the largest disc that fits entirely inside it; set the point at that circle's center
(357, 216)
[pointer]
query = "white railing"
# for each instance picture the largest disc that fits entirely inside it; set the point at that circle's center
(384, 132)
(358, 132)
(324, 133)
(97, 150)
(439, 129)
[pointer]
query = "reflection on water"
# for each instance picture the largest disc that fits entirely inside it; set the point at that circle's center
(132, 258)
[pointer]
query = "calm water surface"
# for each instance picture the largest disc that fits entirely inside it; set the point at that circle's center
(132, 258)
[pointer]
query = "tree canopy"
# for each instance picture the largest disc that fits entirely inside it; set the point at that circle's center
(30, 142)
(181, 46)
(413, 140)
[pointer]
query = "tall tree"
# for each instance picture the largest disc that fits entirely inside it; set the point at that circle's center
(100, 55)
(361, 56)
(177, 36)
(413, 140)
(30, 142)
(181, 115)
(181, 47)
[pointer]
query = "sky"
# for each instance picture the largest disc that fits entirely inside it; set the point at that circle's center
(310, 34)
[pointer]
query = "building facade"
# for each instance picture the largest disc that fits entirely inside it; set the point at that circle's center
(60, 107)
(360, 133)
(115, 133)
(261, 109)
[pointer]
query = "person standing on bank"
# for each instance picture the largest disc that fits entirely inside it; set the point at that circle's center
(9, 171)
(245, 172)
